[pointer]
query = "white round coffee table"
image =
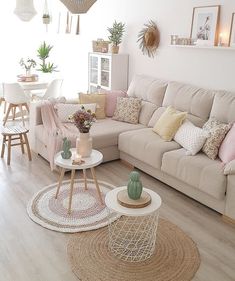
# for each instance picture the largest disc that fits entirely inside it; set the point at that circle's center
(133, 236)
(94, 160)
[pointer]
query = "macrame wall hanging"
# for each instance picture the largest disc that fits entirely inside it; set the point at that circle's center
(78, 6)
(149, 39)
(25, 9)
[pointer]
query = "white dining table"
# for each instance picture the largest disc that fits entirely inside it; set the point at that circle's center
(31, 86)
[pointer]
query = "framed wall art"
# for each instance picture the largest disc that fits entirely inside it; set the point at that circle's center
(232, 32)
(205, 23)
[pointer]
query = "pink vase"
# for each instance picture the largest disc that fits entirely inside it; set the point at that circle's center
(84, 144)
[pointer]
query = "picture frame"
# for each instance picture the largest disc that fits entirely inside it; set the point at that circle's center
(232, 32)
(205, 25)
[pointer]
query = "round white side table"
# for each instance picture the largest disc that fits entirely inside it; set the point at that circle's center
(133, 236)
(94, 160)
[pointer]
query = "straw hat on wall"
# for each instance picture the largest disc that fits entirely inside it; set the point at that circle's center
(149, 39)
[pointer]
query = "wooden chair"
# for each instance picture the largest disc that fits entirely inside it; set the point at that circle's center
(2, 100)
(15, 98)
(12, 133)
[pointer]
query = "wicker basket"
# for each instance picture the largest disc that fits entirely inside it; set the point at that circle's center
(100, 46)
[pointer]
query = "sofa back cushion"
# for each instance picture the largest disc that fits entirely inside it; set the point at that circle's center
(147, 88)
(157, 114)
(223, 108)
(146, 112)
(196, 101)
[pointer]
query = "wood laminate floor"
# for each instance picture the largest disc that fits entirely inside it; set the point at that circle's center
(29, 252)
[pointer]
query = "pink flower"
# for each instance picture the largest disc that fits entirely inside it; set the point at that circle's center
(83, 119)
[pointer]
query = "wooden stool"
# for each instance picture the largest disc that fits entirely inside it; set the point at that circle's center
(13, 133)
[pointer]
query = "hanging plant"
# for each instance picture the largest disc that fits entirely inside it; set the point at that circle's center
(46, 19)
(149, 39)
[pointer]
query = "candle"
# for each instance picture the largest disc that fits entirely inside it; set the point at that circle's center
(78, 157)
(220, 39)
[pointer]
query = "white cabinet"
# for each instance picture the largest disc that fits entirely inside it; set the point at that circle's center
(107, 71)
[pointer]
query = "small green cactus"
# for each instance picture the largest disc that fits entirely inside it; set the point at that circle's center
(66, 153)
(134, 187)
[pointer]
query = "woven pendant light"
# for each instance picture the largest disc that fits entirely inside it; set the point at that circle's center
(25, 9)
(78, 6)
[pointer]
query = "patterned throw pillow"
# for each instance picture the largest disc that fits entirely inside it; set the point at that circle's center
(127, 110)
(218, 131)
(64, 110)
(191, 138)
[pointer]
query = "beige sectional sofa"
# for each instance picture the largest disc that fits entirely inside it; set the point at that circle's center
(196, 176)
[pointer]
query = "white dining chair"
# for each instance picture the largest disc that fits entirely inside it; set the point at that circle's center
(52, 91)
(15, 97)
(2, 100)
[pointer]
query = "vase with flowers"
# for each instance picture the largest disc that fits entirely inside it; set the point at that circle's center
(27, 65)
(83, 120)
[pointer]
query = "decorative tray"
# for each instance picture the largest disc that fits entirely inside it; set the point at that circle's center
(124, 200)
(24, 78)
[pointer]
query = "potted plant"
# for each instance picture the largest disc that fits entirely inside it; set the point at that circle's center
(46, 19)
(116, 34)
(27, 65)
(43, 53)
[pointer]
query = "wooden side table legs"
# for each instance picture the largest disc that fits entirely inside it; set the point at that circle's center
(96, 184)
(71, 190)
(85, 178)
(60, 181)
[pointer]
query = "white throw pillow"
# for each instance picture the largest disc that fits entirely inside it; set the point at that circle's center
(64, 110)
(191, 138)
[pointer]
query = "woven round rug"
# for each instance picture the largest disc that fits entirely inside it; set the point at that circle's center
(176, 257)
(87, 211)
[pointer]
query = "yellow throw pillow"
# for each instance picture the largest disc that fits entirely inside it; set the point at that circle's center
(169, 123)
(100, 101)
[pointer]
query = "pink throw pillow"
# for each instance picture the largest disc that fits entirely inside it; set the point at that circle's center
(227, 148)
(111, 101)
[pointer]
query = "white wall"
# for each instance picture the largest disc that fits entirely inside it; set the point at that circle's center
(206, 68)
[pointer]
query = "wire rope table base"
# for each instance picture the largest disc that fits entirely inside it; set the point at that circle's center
(133, 239)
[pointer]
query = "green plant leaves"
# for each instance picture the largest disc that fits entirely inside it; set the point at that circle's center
(116, 32)
(43, 53)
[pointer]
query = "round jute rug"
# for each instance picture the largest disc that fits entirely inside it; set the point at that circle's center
(87, 211)
(176, 257)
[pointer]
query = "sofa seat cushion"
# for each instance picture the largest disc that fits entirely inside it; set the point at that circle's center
(145, 146)
(198, 171)
(104, 132)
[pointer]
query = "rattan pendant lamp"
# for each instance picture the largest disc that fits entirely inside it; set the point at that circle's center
(25, 9)
(78, 6)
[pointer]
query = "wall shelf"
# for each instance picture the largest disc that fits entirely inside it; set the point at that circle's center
(221, 48)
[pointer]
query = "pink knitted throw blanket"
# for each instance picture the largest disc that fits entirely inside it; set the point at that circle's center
(56, 130)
